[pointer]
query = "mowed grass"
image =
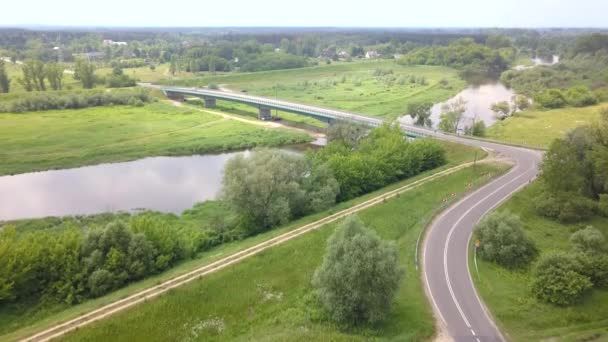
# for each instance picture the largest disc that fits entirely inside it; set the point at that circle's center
(69, 138)
(269, 297)
(20, 321)
(538, 128)
(507, 293)
(346, 86)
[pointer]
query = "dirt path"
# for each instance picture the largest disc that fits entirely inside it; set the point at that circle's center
(267, 124)
(144, 295)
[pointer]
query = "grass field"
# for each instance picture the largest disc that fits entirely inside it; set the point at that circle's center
(539, 128)
(69, 138)
(267, 298)
(22, 320)
(507, 293)
(347, 86)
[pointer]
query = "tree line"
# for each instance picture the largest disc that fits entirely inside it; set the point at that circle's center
(40, 101)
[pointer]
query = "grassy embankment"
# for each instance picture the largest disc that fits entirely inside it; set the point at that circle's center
(69, 138)
(269, 296)
(538, 128)
(508, 296)
(347, 86)
(20, 321)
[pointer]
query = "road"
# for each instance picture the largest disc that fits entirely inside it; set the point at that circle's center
(460, 312)
(448, 280)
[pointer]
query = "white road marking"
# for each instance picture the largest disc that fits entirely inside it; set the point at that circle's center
(452, 229)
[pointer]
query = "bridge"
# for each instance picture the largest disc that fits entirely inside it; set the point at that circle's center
(265, 105)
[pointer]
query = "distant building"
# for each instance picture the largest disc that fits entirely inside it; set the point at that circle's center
(343, 54)
(371, 54)
(108, 42)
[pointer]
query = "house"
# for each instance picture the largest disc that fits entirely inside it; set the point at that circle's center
(343, 54)
(108, 42)
(371, 54)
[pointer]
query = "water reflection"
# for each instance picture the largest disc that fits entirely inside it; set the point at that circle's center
(479, 99)
(169, 184)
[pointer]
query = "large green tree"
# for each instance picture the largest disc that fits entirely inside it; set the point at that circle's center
(359, 276)
(33, 75)
(85, 72)
(54, 73)
(421, 113)
(5, 81)
(452, 114)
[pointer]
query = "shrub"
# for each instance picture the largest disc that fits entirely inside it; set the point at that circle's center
(552, 98)
(580, 97)
(595, 267)
(557, 279)
(503, 240)
(589, 241)
(359, 276)
(603, 205)
(100, 282)
(566, 207)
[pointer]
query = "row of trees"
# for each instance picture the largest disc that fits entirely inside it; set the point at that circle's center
(270, 188)
(74, 100)
(34, 74)
(73, 264)
(578, 96)
(575, 174)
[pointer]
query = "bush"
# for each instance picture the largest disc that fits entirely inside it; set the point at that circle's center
(603, 205)
(100, 282)
(552, 98)
(565, 207)
(503, 240)
(580, 97)
(589, 241)
(359, 276)
(595, 267)
(558, 280)
(32, 102)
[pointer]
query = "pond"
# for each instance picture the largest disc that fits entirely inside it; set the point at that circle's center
(168, 184)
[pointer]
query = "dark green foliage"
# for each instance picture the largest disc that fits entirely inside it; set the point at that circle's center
(574, 174)
(270, 188)
(85, 72)
(359, 276)
(69, 264)
(580, 97)
(274, 61)
(558, 279)
(503, 240)
(603, 205)
(589, 241)
(595, 267)
(463, 53)
(118, 79)
(552, 98)
(479, 129)
(347, 133)
(5, 82)
(421, 113)
(74, 100)
(382, 157)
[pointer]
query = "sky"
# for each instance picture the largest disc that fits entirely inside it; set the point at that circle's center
(334, 13)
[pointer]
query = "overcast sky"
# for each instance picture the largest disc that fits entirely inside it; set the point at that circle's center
(368, 13)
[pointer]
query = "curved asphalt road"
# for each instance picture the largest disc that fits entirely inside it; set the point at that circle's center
(446, 274)
(445, 265)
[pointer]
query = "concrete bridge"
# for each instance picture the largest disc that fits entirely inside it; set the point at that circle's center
(265, 105)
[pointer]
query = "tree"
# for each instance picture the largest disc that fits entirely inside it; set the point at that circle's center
(421, 113)
(452, 114)
(173, 65)
(589, 240)
(479, 128)
(54, 73)
(5, 82)
(551, 98)
(33, 75)
(502, 109)
(503, 240)
(558, 280)
(521, 102)
(85, 72)
(269, 188)
(359, 276)
(348, 133)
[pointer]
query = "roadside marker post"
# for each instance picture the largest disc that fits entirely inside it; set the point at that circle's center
(477, 244)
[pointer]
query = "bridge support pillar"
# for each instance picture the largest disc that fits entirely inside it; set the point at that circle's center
(175, 97)
(209, 102)
(264, 113)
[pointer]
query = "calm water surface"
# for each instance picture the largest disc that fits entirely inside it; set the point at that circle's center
(169, 184)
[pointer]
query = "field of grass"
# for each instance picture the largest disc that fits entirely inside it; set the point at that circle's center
(69, 138)
(507, 293)
(347, 86)
(20, 321)
(266, 298)
(539, 127)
